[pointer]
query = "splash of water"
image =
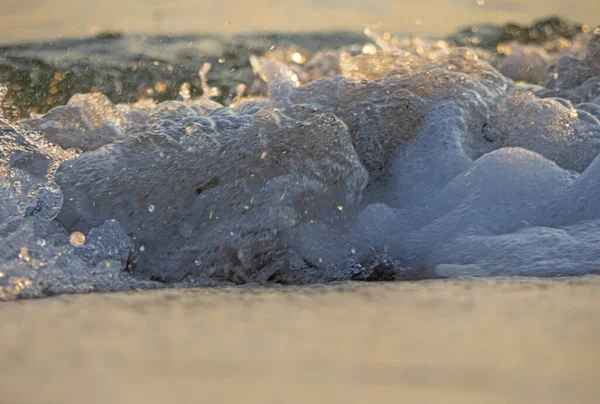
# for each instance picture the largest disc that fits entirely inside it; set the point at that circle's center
(419, 159)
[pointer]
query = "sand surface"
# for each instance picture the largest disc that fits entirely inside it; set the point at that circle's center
(468, 341)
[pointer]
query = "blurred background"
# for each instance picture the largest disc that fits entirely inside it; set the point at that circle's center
(43, 20)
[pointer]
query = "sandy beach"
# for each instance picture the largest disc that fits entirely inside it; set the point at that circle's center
(467, 341)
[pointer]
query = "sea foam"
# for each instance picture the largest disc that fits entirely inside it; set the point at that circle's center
(411, 160)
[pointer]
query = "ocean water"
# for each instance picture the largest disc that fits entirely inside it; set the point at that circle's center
(135, 161)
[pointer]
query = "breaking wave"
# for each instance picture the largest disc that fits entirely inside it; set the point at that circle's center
(397, 159)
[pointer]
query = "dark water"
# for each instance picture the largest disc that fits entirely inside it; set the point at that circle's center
(128, 68)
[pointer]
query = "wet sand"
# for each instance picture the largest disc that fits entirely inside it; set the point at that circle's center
(45, 20)
(467, 341)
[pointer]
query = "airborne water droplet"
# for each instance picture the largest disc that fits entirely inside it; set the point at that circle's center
(77, 239)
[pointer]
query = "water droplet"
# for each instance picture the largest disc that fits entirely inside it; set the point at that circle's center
(142, 248)
(24, 254)
(150, 208)
(299, 58)
(369, 49)
(77, 239)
